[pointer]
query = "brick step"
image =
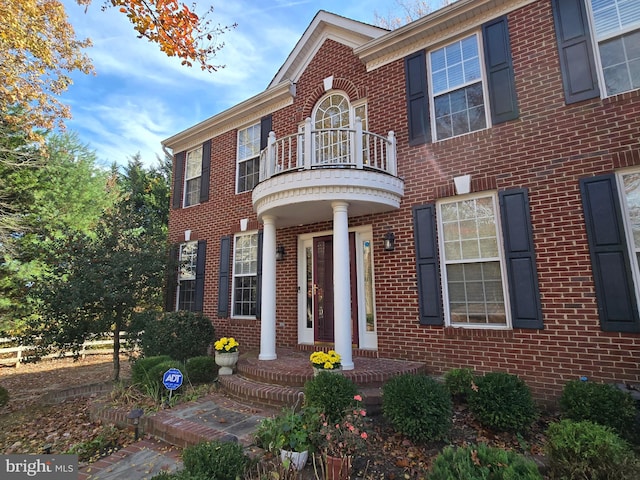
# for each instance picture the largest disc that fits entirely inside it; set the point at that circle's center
(253, 392)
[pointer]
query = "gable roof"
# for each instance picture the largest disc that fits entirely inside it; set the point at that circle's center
(325, 25)
(281, 91)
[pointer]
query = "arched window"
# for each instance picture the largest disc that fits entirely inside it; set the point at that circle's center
(332, 120)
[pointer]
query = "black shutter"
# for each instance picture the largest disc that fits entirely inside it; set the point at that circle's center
(206, 171)
(171, 284)
(522, 273)
(259, 276)
(579, 74)
(200, 262)
(265, 129)
(500, 78)
(224, 277)
(610, 259)
(415, 68)
(178, 172)
(428, 269)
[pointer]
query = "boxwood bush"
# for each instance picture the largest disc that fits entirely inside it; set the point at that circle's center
(417, 406)
(587, 450)
(215, 459)
(330, 393)
(140, 368)
(603, 404)
(503, 402)
(481, 462)
(181, 335)
(459, 382)
(201, 369)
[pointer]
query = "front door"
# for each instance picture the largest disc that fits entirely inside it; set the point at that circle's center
(322, 289)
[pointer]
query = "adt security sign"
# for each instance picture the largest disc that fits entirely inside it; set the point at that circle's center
(172, 379)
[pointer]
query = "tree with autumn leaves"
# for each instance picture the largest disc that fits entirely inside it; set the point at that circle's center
(39, 51)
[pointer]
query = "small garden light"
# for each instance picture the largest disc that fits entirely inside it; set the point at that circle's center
(134, 415)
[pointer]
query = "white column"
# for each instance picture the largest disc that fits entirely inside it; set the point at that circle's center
(342, 284)
(268, 320)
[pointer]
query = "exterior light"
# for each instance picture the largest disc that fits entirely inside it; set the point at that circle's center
(389, 240)
(134, 415)
(280, 253)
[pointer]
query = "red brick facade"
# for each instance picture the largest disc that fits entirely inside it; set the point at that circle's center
(547, 150)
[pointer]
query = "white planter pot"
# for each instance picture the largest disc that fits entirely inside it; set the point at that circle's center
(316, 371)
(298, 459)
(226, 361)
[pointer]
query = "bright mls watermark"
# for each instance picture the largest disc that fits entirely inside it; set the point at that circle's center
(50, 467)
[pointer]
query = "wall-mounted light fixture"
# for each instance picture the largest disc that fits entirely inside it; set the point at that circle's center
(389, 240)
(280, 253)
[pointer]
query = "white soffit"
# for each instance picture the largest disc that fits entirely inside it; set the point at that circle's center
(436, 28)
(325, 25)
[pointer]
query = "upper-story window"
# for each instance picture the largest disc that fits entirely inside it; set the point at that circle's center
(248, 158)
(463, 86)
(333, 117)
(616, 26)
(457, 99)
(193, 177)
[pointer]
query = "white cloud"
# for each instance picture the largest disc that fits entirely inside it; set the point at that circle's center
(139, 96)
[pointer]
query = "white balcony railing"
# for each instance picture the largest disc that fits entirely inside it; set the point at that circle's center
(328, 148)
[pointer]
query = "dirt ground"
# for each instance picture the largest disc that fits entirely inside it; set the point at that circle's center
(27, 425)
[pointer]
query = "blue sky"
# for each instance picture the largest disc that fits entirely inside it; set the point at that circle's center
(139, 96)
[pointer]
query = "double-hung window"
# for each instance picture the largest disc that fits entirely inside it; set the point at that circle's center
(616, 27)
(187, 262)
(248, 158)
(472, 262)
(462, 87)
(245, 275)
(193, 177)
(458, 99)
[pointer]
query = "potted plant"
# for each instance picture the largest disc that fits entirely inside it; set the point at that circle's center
(342, 440)
(289, 435)
(325, 361)
(226, 354)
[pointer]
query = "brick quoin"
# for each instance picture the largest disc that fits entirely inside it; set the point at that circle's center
(547, 150)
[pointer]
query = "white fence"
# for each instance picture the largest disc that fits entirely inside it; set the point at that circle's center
(15, 354)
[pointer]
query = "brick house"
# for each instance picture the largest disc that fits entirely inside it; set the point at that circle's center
(463, 191)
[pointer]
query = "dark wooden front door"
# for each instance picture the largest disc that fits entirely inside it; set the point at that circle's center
(322, 289)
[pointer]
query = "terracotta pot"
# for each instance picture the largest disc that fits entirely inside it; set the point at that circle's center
(338, 468)
(226, 361)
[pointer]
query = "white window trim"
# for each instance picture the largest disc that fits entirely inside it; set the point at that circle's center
(234, 276)
(596, 49)
(628, 230)
(186, 178)
(500, 259)
(182, 278)
(483, 80)
(241, 160)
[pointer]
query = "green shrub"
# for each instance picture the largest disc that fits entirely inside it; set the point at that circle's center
(4, 396)
(459, 382)
(181, 335)
(201, 369)
(153, 385)
(482, 462)
(140, 368)
(587, 450)
(330, 393)
(417, 406)
(215, 460)
(600, 403)
(503, 402)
